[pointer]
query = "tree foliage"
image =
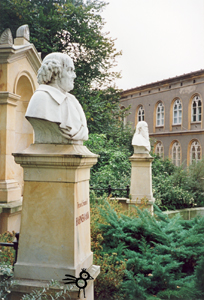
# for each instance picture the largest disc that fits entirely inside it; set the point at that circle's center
(173, 187)
(113, 165)
(74, 27)
(177, 187)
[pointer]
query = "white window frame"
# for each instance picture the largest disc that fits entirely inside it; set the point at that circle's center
(196, 109)
(140, 114)
(195, 151)
(160, 114)
(159, 149)
(177, 112)
(176, 153)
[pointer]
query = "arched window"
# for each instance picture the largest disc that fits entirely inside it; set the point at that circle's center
(159, 149)
(195, 151)
(177, 112)
(176, 153)
(140, 114)
(160, 114)
(196, 109)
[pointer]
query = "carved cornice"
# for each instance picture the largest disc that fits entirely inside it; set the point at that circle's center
(9, 98)
(10, 54)
(6, 51)
(176, 133)
(11, 207)
(163, 83)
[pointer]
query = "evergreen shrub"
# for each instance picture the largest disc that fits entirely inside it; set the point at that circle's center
(141, 256)
(153, 257)
(6, 281)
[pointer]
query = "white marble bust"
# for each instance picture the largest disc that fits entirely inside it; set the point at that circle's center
(55, 114)
(140, 139)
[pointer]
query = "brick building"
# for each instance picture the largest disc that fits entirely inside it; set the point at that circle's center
(173, 109)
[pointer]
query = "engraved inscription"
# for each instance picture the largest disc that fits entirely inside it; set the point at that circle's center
(82, 218)
(82, 204)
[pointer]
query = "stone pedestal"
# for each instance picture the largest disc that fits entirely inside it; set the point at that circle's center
(141, 180)
(55, 226)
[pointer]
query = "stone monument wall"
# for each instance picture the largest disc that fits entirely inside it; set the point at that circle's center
(19, 62)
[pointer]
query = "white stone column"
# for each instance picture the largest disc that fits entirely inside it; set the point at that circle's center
(55, 226)
(141, 180)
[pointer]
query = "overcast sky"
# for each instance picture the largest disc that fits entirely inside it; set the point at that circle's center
(159, 38)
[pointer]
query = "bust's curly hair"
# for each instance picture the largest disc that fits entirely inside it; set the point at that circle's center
(52, 66)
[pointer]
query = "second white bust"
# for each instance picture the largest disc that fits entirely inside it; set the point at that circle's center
(55, 114)
(140, 139)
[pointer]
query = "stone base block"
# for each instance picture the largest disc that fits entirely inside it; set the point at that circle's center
(127, 203)
(140, 203)
(52, 271)
(24, 286)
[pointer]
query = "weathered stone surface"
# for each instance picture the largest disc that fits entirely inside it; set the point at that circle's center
(19, 63)
(6, 37)
(25, 286)
(140, 139)
(23, 31)
(55, 226)
(141, 180)
(57, 116)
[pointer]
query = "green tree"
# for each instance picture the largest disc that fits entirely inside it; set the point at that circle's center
(74, 27)
(113, 166)
(177, 187)
(194, 181)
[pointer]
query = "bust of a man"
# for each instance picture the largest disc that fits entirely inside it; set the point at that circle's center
(140, 139)
(55, 114)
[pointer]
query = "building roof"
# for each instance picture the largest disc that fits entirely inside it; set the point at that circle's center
(163, 82)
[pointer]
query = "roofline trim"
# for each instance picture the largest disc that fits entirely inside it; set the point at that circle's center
(163, 82)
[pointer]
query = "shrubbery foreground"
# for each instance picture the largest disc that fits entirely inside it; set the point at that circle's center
(143, 257)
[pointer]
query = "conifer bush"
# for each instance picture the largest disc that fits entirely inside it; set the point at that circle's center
(157, 257)
(112, 269)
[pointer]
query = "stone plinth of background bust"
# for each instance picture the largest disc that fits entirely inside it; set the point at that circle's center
(141, 172)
